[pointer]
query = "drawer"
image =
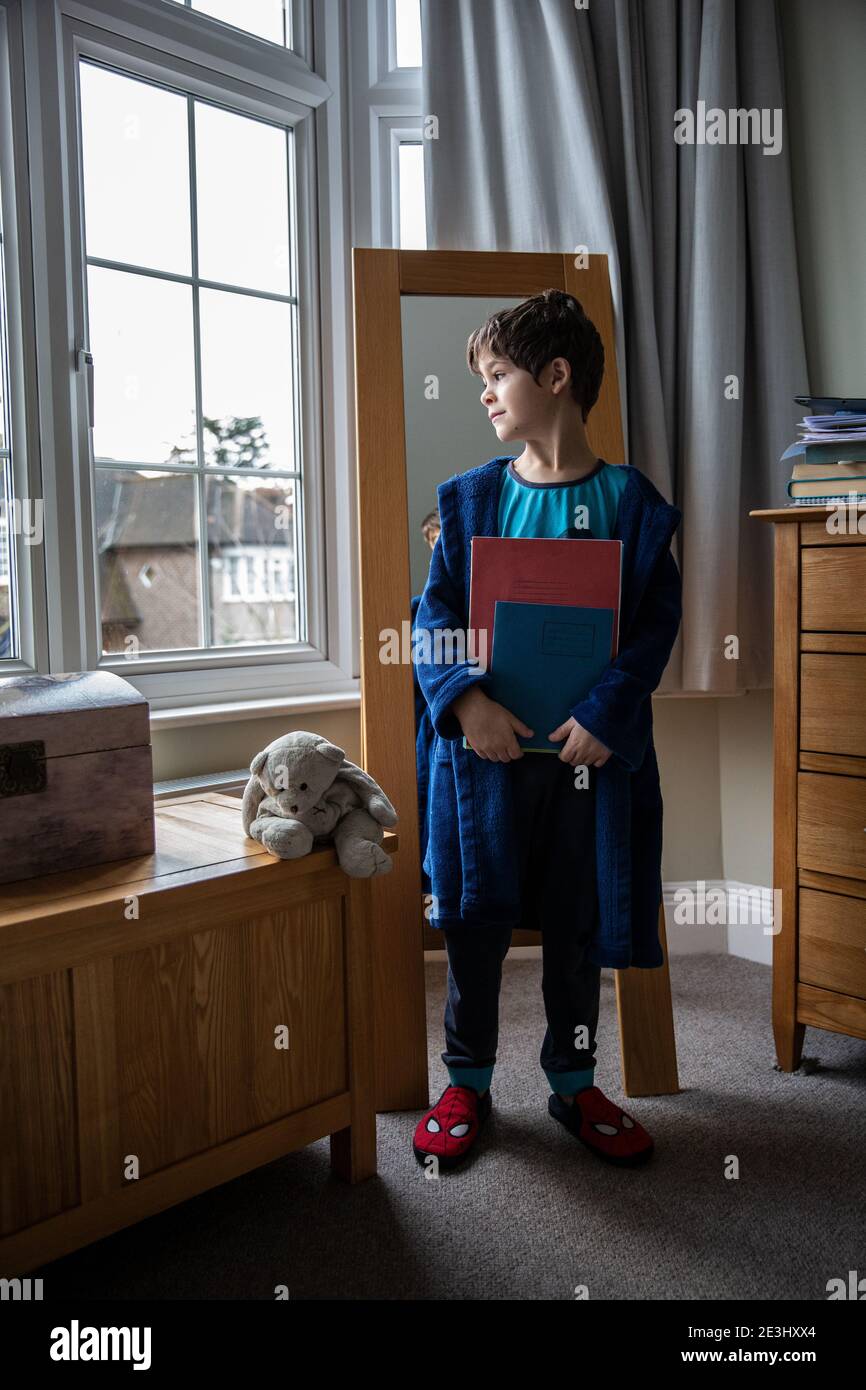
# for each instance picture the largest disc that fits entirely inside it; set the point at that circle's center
(832, 942)
(833, 582)
(833, 703)
(831, 824)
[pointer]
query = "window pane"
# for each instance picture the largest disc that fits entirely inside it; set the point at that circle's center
(180, 363)
(242, 196)
(147, 542)
(4, 428)
(407, 18)
(264, 18)
(413, 217)
(8, 642)
(247, 402)
(27, 516)
(267, 19)
(136, 171)
(252, 555)
(144, 373)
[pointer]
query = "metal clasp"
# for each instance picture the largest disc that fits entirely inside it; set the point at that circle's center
(22, 768)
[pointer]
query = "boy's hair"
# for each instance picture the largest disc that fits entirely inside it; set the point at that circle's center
(550, 324)
(432, 522)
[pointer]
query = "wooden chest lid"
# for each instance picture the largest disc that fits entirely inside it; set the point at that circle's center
(74, 712)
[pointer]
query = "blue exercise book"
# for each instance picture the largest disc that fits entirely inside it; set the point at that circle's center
(546, 657)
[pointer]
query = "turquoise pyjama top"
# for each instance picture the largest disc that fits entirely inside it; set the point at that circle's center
(550, 509)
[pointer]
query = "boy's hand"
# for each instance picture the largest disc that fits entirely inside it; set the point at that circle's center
(489, 727)
(580, 748)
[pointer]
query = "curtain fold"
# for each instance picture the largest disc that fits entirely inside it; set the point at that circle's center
(555, 129)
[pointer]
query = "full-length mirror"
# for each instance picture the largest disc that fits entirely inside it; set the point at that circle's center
(420, 421)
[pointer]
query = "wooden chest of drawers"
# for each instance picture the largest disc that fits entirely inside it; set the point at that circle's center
(819, 735)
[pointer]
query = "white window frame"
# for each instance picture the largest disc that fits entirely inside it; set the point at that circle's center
(386, 105)
(28, 561)
(159, 39)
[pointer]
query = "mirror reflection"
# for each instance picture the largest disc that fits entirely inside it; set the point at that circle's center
(447, 431)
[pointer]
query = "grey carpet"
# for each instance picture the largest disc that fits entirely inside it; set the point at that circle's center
(535, 1214)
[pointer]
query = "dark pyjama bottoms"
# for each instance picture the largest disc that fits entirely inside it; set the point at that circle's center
(559, 898)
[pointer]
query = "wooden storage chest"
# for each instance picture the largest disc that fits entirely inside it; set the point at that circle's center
(173, 1021)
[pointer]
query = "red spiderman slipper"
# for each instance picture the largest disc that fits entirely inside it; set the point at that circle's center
(449, 1130)
(603, 1127)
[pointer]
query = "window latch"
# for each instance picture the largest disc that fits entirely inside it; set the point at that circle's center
(84, 361)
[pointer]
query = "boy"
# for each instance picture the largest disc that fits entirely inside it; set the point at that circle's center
(568, 843)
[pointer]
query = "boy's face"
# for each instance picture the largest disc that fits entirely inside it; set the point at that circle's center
(520, 409)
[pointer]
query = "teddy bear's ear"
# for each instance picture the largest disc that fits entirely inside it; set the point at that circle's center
(330, 751)
(258, 762)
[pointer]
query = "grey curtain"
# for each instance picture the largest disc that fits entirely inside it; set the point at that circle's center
(555, 129)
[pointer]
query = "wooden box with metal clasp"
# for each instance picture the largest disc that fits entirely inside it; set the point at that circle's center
(76, 773)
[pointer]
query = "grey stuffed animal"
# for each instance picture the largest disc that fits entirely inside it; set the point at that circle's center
(304, 792)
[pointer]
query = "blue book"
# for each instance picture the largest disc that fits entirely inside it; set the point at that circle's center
(546, 657)
(800, 452)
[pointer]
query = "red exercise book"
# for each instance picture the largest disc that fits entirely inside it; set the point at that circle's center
(540, 569)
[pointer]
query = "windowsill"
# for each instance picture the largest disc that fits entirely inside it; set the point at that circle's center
(235, 710)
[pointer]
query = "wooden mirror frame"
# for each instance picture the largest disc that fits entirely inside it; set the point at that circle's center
(400, 932)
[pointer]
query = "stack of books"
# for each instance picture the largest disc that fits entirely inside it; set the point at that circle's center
(828, 461)
(544, 621)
